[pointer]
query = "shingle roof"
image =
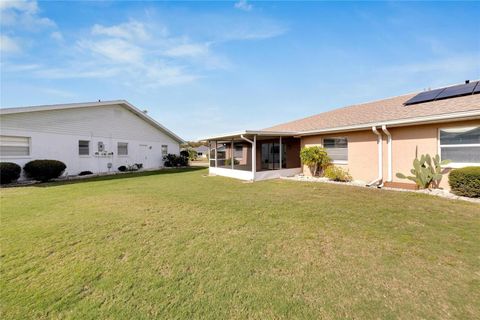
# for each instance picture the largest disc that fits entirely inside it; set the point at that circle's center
(382, 110)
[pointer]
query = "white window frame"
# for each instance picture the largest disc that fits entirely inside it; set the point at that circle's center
(122, 155)
(29, 156)
(455, 165)
(336, 161)
(89, 149)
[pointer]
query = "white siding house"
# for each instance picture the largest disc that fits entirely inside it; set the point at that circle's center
(85, 136)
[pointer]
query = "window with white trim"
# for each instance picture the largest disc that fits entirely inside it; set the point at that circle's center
(83, 147)
(11, 146)
(337, 149)
(164, 150)
(460, 145)
(122, 149)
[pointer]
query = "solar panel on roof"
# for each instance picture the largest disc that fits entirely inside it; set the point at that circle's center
(455, 91)
(445, 93)
(477, 88)
(425, 96)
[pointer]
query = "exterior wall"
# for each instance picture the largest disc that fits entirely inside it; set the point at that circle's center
(362, 153)
(406, 141)
(55, 134)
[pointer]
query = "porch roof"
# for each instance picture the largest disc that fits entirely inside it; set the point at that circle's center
(252, 133)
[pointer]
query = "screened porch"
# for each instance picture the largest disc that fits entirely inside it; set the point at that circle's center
(275, 155)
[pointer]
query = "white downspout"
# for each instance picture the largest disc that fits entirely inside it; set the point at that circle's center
(281, 153)
(216, 154)
(254, 153)
(231, 155)
(380, 157)
(389, 152)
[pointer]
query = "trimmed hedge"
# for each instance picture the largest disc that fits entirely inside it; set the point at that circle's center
(9, 172)
(44, 170)
(465, 182)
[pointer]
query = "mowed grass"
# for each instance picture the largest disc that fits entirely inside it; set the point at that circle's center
(178, 245)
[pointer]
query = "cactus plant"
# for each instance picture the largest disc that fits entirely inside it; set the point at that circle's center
(426, 172)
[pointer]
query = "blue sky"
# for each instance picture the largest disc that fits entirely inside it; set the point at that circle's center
(202, 68)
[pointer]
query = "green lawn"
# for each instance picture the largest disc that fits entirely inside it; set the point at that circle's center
(181, 245)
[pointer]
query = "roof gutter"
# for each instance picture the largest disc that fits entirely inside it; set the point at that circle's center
(464, 115)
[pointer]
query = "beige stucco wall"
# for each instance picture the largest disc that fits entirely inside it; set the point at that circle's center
(363, 152)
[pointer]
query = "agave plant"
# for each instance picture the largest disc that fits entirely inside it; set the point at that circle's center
(426, 172)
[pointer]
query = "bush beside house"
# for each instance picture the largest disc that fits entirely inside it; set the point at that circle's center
(9, 172)
(172, 160)
(44, 170)
(465, 182)
(337, 174)
(316, 158)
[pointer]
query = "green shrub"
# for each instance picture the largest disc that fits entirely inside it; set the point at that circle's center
(172, 160)
(9, 172)
(85, 173)
(44, 170)
(122, 168)
(315, 158)
(465, 182)
(189, 153)
(228, 162)
(337, 174)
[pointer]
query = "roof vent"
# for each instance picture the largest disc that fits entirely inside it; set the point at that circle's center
(145, 111)
(467, 81)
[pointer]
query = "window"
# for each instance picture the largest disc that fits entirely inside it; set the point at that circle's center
(122, 149)
(460, 145)
(337, 149)
(83, 147)
(238, 153)
(164, 150)
(14, 146)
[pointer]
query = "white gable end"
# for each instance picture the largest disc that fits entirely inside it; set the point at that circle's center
(96, 138)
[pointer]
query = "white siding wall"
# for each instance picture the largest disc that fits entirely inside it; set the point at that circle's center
(55, 135)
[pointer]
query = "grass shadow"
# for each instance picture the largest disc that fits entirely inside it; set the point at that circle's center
(117, 176)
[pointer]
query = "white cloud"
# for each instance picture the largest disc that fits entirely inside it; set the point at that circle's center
(137, 53)
(56, 35)
(8, 45)
(243, 5)
(130, 30)
(114, 50)
(188, 49)
(23, 14)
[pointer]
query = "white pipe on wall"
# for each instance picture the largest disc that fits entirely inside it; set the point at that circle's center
(380, 157)
(389, 152)
(254, 152)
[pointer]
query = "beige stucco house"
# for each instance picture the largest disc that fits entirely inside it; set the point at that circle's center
(373, 140)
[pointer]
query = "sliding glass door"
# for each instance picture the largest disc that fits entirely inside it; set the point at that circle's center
(271, 156)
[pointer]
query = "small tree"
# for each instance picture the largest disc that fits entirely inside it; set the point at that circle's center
(192, 154)
(316, 158)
